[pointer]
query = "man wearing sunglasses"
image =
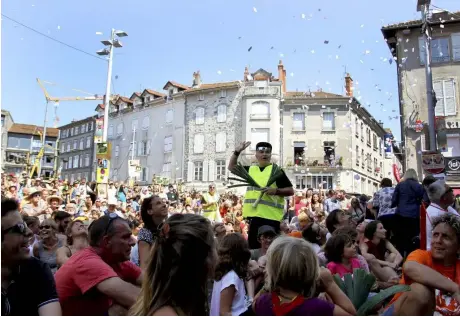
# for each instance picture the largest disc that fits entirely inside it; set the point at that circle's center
(441, 197)
(102, 274)
(28, 286)
(271, 208)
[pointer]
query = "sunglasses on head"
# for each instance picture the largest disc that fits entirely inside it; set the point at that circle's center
(112, 217)
(20, 228)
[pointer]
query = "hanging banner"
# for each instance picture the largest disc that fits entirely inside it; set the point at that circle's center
(134, 168)
(98, 133)
(102, 171)
(104, 151)
(433, 162)
(396, 173)
(388, 144)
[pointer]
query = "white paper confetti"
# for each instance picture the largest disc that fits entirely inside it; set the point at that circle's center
(98, 33)
(312, 51)
(336, 56)
(59, 27)
(361, 61)
(219, 72)
(292, 74)
(281, 55)
(362, 25)
(367, 52)
(441, 26)
(303, 16)
(254, 9)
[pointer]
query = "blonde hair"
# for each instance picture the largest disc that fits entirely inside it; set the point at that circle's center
(293, 265)
(303, 217)
(410, 174)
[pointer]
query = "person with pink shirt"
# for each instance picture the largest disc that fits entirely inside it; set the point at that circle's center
(341, 252)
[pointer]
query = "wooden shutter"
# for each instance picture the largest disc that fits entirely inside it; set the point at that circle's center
(438, 89)
(190, 170)
(148, 147)
(212, 170)
(421, 50)
(449, 97)
(205, 170)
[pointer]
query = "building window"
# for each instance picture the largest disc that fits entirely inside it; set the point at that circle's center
(357, 155)
(374, 141)
(221, 169)
(83, 128)
(298, 123)
(144, 174)
(198, 171)
(87, 160)
(75, 161)
(445, 95)
(221, 142)
(357, 128)
(68, 147)
(117, 150)
(134, 124)
(81, 161)
(76, 130)
(145, 123)
(75, 144)
(440, 50)
(380, 147)
(110, 131)
(169, 116)
(62, 147)
(132, 148)
(199, 115)
(120, 129)
(363, 159)
(259, 135)
(328, 121)
(144, 148)
(168, 144)
(82, 141)
(368, 136)
(221, 113)
(201, 97)
(166, 170)
(71, 131)
(198, 143)
(91, 126)
(375, 165)
(88, 142)
(70, 165)
(260, 110)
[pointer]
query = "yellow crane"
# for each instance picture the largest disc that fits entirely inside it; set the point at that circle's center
(56, 100)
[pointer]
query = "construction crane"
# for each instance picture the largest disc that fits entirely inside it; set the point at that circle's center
(56, 101)
(37, 160)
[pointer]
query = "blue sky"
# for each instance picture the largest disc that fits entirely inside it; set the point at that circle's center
(169, 40)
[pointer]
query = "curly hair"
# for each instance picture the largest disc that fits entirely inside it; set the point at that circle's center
(233, 254)
(450, 219)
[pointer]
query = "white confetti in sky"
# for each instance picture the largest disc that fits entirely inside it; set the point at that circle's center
(98, 33)
(219, 72)
(254, 9)
(292, 74)
(303, 15)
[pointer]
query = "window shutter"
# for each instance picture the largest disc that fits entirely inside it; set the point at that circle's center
(226, 168)
(190, 170)
(205, 170)
(212, 170)
(421, 50)
(449, 98)
(139, 149)
(438, 89)
(456, 46)
(198, 143)
(148, 147)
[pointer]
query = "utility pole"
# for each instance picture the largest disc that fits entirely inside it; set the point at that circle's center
(39, 169)
(423, 6)
(107, 90)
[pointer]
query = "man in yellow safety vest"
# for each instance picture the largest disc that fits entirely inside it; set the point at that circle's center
(271, 208)
(210, 203)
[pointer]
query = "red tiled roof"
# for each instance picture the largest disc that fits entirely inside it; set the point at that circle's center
(154, 92)
(173, 83)
(312, 94)
(101, 105)
(32, 130)
(135, 94)
(436, 18)
(125, 99)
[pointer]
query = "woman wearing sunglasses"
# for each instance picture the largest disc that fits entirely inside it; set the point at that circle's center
(46, 249)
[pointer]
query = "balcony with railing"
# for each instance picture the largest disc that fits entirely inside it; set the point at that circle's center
(261, 91)
(315, 163)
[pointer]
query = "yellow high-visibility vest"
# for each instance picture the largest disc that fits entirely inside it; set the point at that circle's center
(270, 206)
(211, 211)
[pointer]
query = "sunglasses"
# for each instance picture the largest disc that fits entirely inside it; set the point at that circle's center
(112, 217)
(45, 227)
(20, 228)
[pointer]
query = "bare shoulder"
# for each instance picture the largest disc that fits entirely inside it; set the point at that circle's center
(62, 238)
(165, 311)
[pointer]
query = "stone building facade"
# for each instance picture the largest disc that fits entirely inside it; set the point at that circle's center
(7, 122)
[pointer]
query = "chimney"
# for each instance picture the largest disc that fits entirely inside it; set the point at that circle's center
(282, 76)
(246, 74)
(349, 85)
(196, 79)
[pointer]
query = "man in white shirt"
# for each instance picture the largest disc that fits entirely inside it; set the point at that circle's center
(442, 198)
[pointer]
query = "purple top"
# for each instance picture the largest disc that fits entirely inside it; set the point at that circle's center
(310, 307)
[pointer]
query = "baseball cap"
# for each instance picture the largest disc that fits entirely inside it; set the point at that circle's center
(265, 229)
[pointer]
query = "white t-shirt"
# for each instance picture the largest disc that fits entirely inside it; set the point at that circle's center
(433, 211)
(241, 301)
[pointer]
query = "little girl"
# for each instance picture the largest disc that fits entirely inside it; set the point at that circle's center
(229, 296)
(293, 279)
(341, 252)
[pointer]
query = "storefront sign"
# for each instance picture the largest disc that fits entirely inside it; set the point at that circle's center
(432, 162)
(452, 124)
(452, 166)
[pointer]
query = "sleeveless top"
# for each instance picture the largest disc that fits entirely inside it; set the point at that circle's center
(310, 307)
(48, 257)
(377, 250)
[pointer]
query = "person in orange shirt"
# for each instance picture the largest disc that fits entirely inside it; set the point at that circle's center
(434, 276)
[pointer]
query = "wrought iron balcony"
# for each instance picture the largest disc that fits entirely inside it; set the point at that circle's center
(261, 91)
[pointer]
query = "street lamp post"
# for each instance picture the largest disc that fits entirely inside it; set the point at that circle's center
(110, 44)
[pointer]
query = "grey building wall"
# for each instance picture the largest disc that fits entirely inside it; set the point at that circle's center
(77, 140)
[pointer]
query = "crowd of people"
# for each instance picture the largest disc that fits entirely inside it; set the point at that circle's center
(159, 250)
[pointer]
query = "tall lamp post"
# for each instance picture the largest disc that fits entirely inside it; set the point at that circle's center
(423, 6)
(108, 50)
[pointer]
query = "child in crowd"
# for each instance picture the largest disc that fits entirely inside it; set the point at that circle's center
(341, 252)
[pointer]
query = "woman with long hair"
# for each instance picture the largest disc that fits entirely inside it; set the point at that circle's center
(46, 249)
(77, 239)
(407, 198)
(154, 211)
(229, 295)
(181, 262)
